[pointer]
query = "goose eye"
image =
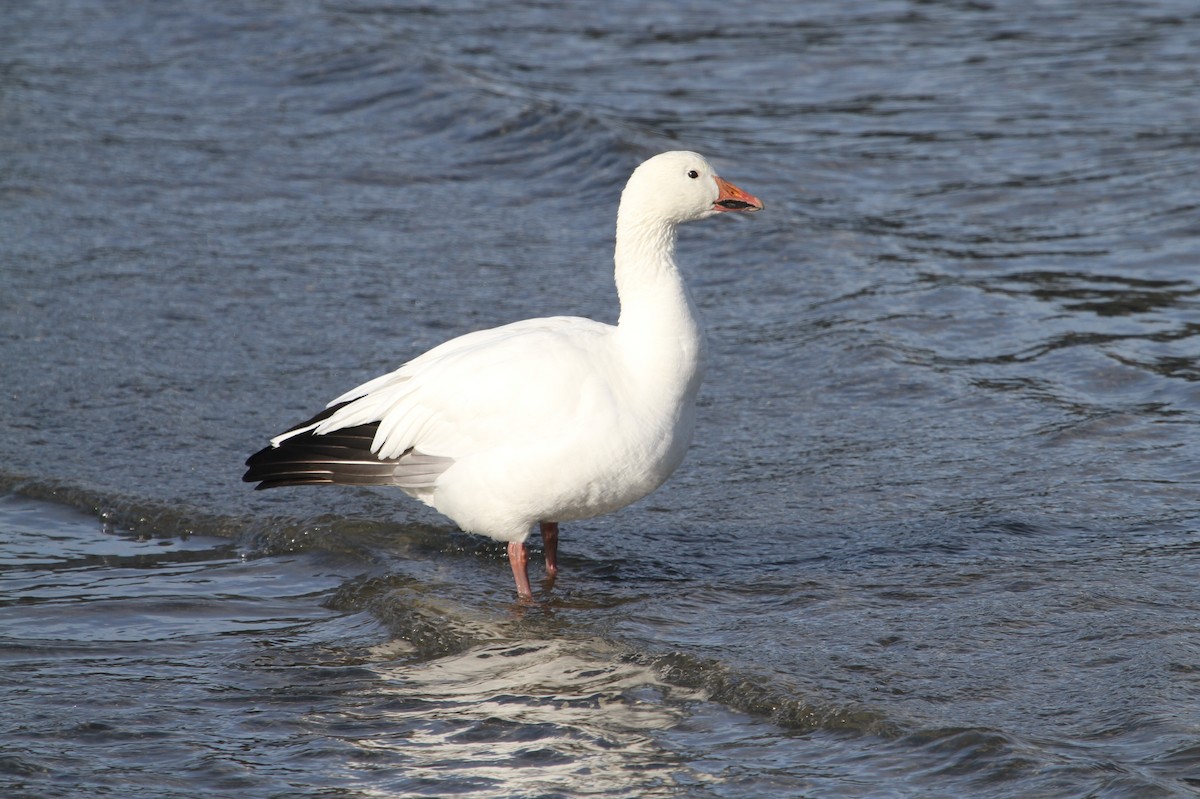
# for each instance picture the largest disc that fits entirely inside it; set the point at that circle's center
(693, 174)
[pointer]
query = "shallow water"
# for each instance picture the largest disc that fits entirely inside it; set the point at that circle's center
(937, 535)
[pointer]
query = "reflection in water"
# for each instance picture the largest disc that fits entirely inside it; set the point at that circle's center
(530, 718)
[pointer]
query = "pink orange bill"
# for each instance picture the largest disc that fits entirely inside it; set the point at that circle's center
(731, 198)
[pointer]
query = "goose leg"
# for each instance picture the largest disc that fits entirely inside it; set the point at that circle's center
(550, 540)
(518, 558)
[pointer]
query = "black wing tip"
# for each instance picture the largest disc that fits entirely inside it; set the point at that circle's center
(284, 482)
(320, 417)
(260, 467)
(328, 459)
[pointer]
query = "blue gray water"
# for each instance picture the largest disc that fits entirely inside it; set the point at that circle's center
(939, 534)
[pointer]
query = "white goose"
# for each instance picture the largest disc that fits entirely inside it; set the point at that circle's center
(540, 421)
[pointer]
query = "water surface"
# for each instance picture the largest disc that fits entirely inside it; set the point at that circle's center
(937, 535)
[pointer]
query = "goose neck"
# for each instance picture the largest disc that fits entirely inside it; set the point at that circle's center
(658, 326)
(645, 260)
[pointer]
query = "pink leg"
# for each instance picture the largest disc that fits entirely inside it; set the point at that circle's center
(550, 540)
(518, 558)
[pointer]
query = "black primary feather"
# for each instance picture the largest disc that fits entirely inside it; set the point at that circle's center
(339, 457)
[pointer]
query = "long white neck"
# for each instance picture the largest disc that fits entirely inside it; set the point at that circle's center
(659, 331)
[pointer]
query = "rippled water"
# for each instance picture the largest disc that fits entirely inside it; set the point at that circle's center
(937, 536)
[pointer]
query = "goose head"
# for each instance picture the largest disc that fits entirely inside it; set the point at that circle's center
(681, 186)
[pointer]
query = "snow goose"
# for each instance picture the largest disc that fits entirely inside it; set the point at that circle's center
(541, 421)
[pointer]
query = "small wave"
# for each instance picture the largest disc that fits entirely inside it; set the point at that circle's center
(130, 514)
(761, 697)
